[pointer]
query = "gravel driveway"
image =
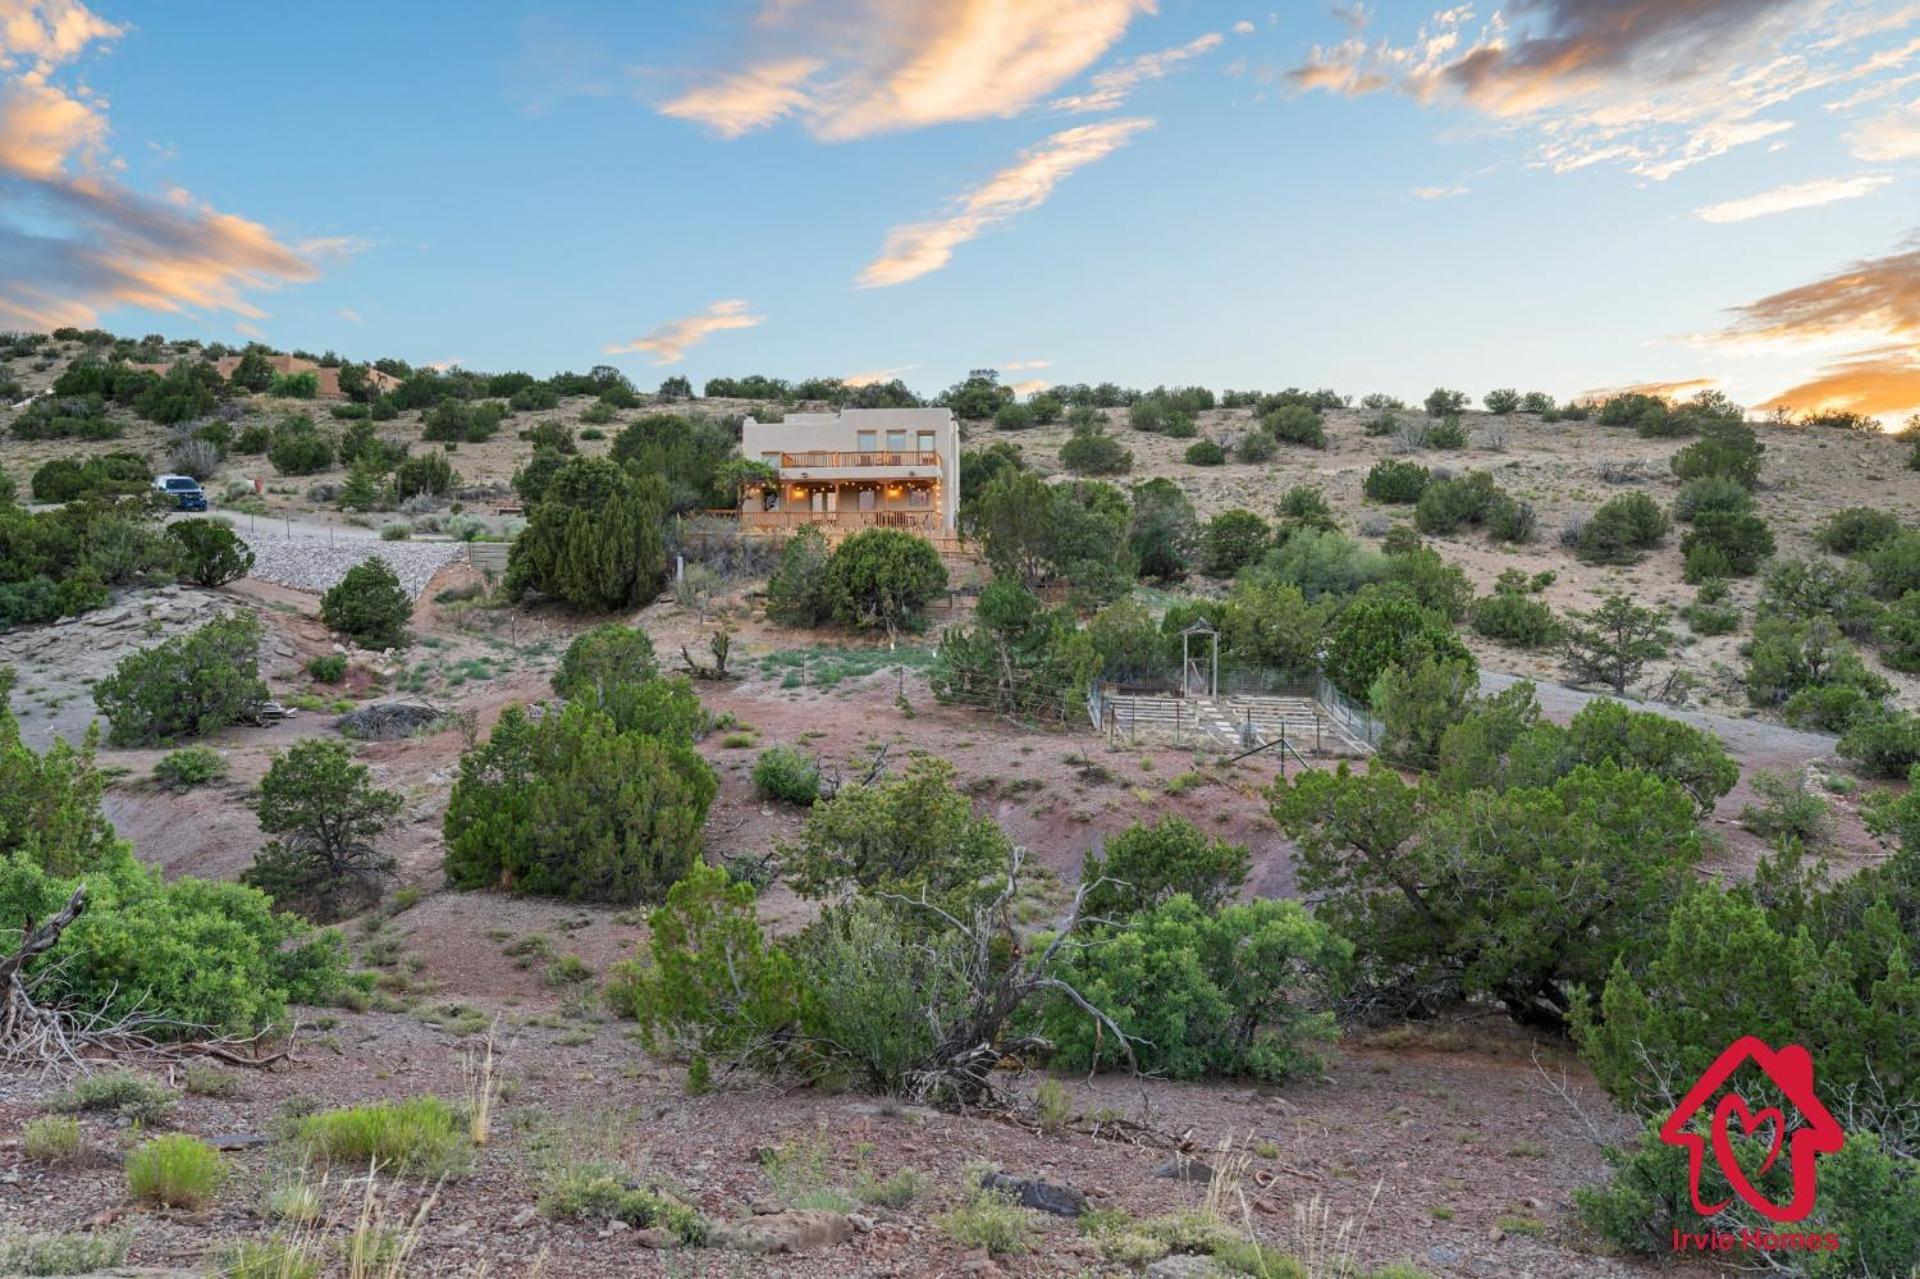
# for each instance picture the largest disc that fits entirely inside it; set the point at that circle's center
(308, 562)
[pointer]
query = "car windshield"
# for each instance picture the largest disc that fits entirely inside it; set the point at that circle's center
(183, 484)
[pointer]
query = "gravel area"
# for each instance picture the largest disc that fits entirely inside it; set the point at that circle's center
(316, 563)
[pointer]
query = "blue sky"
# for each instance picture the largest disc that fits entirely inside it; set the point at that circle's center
(1562, 194)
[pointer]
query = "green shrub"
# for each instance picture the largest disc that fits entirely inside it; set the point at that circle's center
(1711, 493)
(175, 1171)
(1788, 807)
(369, 606)
(325, 815)
(1442, 402)
(788, 774)
(190, 766)
(429, 473)
(297, 447)
(1203, 993)
(1449, 433)
(328, 668)
(1899, 633)
(1295, 424)
(1392, 480)
(594, 540)
(596, 1192)
(1613, 643)
(1380, 629)
(210, 554)
(1577, 867)
(66, 479)
(416, 1136)
(619, 814)
(612, 669)
(1144, 866)
(1737, 541)
(52, 1139)
(1728, 449)
(1512, 520)
(1445, 505)
(75, 1254)
(1621, 529)
(1094, 452)
(126, 1093)
(1857, 530)
(989, 1220)
(905, 835)
(883, 578)
(1515, 619)
(1786, 656)
(1303, 507)
(1893, 567)
(189, 686)
(1503, 401)
(1255, 446)
(1231, 540)
(797, 590)
(1323, 563)
(1885, 744)
(1205, 453)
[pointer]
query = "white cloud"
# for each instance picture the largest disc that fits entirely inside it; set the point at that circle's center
(919, 248)
(1893, 136)
(1112, 87)
(350, 315)
(1439, 193)
(1016, 366)
(1799, 195)
(1243, 28)
(671, 341)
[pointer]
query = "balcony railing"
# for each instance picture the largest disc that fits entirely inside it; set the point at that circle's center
(829, 458)
(926, 521)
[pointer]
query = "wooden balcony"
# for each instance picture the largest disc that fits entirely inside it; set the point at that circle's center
(928, 522)
(824, 459)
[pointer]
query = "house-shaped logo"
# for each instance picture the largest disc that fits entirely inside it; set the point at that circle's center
(1791, 1071)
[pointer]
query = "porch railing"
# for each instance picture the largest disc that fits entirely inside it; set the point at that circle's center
(830, 458)
(922, 521)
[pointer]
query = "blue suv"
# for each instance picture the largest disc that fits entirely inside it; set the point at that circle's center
(182, 491)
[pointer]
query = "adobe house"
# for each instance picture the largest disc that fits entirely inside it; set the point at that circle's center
(855, 469)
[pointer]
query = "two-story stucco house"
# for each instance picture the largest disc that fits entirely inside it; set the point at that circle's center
(858, 468)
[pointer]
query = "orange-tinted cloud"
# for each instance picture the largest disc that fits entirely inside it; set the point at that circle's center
(1884, 383)
(1874, 298)
(41, 127)
(851, 68)
(73, 240)
(1677, 389)
(919, 248)
(669, 343)
(873, 377)
(1653, 85)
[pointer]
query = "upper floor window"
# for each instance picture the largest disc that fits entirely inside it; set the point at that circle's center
(868, 442)
(896, 441)
(926, 442)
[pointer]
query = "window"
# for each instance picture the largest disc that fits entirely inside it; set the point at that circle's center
(868, 442)
(926, 442)
(896, 441)
(772, 458)
(919, 499)
(866, 499)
